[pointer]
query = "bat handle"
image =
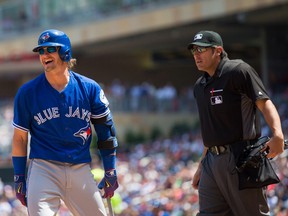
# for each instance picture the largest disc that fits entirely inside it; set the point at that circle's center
(111, 212)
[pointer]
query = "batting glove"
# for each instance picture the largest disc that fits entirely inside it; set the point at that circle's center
(109, 183)
(20, 188)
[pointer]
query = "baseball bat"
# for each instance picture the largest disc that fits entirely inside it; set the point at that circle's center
(111, 212)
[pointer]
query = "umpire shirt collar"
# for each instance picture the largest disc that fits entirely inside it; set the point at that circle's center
(218, 73)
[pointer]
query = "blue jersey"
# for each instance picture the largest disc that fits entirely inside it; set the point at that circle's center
(59, 122)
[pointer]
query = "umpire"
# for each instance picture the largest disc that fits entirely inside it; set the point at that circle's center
(229, 96)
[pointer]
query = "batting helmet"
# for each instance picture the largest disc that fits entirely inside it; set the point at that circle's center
(53, 37)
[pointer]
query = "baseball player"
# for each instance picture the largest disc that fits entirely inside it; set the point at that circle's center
(229, 96)
(57, 109)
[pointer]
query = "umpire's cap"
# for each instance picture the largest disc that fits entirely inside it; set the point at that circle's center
(206, 39)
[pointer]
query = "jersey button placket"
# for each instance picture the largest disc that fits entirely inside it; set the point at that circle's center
(62, 101)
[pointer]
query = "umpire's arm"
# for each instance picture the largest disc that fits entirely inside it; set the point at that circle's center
(197, 174)
(271, 116)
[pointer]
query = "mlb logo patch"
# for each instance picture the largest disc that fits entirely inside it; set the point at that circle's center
(216, 100)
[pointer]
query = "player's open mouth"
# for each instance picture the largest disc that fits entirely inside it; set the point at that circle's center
(48, 62)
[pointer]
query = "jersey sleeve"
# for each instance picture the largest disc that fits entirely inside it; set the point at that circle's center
(21, 119)
(249, 83)
(99, 103)
(102, 120)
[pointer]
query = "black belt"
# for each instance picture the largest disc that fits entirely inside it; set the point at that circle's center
(217, 150)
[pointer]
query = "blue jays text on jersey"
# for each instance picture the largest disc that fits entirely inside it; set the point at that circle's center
(52, 113)
(59, 122)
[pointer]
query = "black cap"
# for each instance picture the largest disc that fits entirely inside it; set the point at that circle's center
(206, 39)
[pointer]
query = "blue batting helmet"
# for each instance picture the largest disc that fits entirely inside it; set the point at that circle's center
(53, 37)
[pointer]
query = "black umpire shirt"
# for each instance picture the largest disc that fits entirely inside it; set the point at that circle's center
(226, 103)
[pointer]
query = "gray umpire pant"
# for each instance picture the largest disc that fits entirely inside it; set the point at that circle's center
(218, 190)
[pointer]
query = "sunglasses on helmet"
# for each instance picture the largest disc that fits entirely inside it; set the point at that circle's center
(50, 49)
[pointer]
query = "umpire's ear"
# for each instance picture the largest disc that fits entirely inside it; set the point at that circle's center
(218, 50)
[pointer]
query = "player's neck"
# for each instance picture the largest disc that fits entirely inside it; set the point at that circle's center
(58, 80)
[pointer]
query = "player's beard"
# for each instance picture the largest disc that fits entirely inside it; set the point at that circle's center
(49, 68)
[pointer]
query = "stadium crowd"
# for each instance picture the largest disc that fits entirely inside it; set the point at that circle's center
(146, 97)
(155, 176)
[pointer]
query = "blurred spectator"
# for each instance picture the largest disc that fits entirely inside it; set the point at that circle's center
(135, 94)
(22, 20)
(7, 24)
(146, 97)
(165, 97)
(117, 91)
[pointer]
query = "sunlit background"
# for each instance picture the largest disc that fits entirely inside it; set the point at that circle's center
(137, 51)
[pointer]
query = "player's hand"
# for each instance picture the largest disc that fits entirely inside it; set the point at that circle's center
(109, 183)
(20, 188)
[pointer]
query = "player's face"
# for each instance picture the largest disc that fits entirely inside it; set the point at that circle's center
(50, 58)
(206, 58)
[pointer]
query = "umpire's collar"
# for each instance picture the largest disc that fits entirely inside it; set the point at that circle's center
(206, 78)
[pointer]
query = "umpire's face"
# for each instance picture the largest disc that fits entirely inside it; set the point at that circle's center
(207, 58)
